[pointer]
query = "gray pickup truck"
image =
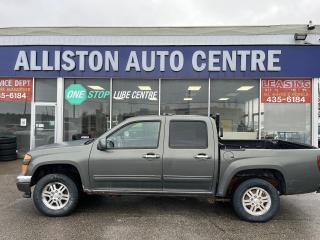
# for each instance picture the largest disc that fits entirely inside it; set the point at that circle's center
(175, 156)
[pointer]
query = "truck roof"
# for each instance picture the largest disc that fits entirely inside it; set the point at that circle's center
(150, 117)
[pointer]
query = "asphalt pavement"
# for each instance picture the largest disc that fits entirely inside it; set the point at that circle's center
(99, 217)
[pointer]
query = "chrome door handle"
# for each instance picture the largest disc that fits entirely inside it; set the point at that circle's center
(151, 156)
(202, 156)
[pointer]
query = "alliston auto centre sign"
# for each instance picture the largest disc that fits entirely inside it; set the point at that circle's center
(160, 61)
(148, 61)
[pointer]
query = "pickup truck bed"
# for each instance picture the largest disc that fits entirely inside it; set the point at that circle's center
(261, 144)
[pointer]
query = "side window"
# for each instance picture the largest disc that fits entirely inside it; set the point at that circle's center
(137, 135)
(188, 134)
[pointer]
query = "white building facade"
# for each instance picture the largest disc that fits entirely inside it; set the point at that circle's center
(61, 84)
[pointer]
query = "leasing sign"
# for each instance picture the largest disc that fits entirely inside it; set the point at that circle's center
(286, 91)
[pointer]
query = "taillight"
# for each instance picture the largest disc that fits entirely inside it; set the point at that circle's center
(318, 162)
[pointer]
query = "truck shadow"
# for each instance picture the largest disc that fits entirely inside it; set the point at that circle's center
(153, 205)
(167, 216)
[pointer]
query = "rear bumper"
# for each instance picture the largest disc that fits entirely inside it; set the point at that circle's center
(23, 185)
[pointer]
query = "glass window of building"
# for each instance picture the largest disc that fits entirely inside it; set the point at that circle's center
(134, 97)
(15, 121)
(44, 131)
(45, 90)
(15, 110)
(286, 109)
(289, 122)
(183, 96)
(86, 108)
(237, 102)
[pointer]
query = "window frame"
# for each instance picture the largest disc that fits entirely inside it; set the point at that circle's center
(189, 147)
(133, 122)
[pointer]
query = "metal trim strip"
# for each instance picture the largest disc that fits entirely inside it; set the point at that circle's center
(126, 178)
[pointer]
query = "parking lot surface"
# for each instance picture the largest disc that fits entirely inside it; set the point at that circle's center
(99, 217)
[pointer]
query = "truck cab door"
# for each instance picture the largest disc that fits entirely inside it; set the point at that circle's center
(132, 161)
(188, 160)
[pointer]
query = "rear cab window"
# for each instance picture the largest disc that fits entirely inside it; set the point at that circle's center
(188, 134)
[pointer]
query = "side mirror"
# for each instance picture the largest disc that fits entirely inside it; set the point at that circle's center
(221, 133)
(110, 144)
(104, 144)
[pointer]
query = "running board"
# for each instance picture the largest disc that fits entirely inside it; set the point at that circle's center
(147, 192)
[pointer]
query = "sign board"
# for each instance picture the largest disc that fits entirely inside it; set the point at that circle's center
(136, 95)
(16, 89)
(23, 122)
(246, 61)
(76, 94)
(286, 91)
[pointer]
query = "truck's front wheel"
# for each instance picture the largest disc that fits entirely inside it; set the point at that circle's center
(256, 200)
(55, 195)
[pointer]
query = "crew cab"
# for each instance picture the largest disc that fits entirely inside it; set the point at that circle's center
(170, 156)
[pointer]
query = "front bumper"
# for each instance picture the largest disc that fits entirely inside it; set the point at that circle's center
(23, 185)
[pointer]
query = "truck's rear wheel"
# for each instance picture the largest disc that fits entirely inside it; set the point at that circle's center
(256, 200)
(56, 195)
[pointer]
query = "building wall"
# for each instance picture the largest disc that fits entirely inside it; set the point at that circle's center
(208, 80)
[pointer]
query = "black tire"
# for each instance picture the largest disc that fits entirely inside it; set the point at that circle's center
(71, 203)
(8, 140)
(8, 157)
(6, 146)
(239, 208)
(8, 152)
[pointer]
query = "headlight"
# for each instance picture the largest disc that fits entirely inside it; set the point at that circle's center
(27, 159)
